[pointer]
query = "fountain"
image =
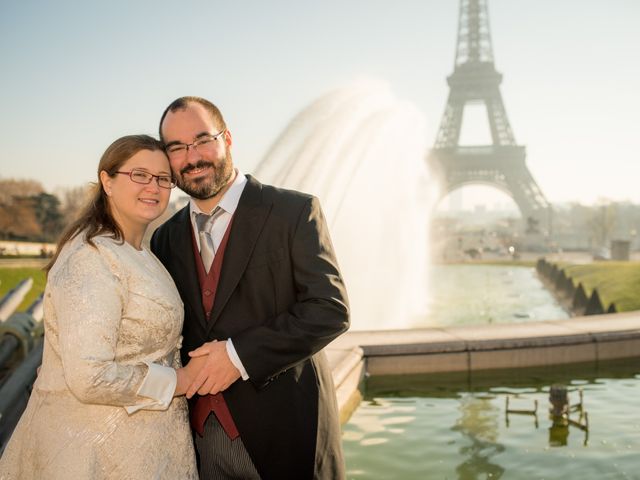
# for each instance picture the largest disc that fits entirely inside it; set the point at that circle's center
(361, 151)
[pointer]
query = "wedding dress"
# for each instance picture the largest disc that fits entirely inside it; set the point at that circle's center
(102, 406)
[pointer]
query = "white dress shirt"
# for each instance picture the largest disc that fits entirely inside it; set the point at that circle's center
(228, 204)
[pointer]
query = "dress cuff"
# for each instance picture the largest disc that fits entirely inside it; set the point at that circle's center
(235, 359)
(158, 386)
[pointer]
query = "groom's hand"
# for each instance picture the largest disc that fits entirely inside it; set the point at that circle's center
(217, 374)
(187, 374)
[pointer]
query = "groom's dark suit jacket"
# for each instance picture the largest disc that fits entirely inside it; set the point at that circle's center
(281, 299)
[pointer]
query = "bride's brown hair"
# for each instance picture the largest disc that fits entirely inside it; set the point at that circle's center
(96, 218)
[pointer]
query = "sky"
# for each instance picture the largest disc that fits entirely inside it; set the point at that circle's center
(76, 75)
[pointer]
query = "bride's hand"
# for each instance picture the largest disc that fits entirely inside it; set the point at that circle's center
(187, 374)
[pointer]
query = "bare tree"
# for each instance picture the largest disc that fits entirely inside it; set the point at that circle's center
(601, 223)
(11, 188)
(18, 221)
(72, 200)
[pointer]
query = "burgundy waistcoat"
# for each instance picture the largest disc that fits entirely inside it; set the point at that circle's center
(206, 404)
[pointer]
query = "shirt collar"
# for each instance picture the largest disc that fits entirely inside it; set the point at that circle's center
(230, 199)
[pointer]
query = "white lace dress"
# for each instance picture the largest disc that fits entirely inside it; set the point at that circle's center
(102, 406)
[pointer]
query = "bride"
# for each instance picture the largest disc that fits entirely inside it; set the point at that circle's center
(108, 401)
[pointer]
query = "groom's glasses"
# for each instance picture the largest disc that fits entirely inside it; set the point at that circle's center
(178, 151)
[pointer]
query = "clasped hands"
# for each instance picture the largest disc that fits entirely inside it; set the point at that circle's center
(209, 371)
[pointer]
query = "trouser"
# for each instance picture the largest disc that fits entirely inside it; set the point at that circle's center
(219, 457)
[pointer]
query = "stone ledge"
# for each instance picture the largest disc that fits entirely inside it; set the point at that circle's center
(469, 348)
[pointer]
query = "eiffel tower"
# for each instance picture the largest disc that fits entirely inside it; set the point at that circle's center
(502, 163)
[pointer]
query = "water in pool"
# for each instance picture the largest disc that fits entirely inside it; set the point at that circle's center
(486, 294)
(450, 426)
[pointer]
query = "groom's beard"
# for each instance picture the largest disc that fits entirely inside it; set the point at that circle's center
(209, 185)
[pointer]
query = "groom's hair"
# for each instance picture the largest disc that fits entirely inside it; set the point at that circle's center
(182, 103)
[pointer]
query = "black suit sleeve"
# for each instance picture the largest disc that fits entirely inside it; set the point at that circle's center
(154, 243)
(319, 313)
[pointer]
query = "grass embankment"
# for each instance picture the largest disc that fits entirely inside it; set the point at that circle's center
(507, 263)
(617, 282)
(10, 277)
(498, 262)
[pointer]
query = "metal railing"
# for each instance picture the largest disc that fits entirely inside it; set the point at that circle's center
(21, 340)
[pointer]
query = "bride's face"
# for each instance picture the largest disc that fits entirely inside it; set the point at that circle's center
(133, 202)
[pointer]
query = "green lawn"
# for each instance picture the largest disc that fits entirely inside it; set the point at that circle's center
(617, 282)
(507, 263)
(10, 277)
(498, 262)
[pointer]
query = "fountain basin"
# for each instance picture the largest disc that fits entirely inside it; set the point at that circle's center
(591, 339)
(497, 424)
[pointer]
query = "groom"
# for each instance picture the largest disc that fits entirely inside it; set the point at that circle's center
(262, 291)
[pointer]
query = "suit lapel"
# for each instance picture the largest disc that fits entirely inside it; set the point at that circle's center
(247, 224)
(184, 265)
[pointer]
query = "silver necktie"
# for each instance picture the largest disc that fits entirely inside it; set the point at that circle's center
(205, 224)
